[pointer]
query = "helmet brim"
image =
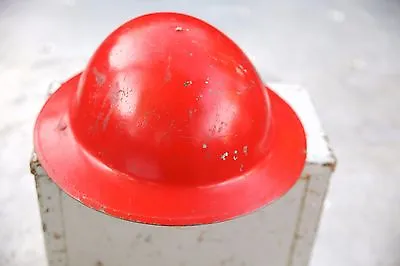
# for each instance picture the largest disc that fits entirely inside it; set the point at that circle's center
(86, 179)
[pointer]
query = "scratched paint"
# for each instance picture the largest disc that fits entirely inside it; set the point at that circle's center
(145, 111)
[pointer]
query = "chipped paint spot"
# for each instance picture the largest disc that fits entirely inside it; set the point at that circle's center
(246, 150)
(187, 83)
(224, 155)
(178, 28)
(107, 119)
(204, 146)
(100, 77)
(241, 167)
(239, 71)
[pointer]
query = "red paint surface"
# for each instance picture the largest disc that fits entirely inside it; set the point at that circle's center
(170, 124)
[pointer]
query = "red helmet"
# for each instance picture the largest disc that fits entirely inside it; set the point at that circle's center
(170, 124)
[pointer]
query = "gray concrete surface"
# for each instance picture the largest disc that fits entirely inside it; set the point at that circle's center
(347, 52)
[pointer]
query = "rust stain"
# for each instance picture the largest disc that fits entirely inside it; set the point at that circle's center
(331, 166)
(33, 167)
(306, 177)
(34, 164)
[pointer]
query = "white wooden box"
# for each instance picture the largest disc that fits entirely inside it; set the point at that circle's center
(281, 234)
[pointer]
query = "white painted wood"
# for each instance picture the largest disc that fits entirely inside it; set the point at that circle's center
(51, 211)
(281, 234)
(310, 213)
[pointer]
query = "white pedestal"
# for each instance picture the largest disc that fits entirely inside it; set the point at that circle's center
(281, 234)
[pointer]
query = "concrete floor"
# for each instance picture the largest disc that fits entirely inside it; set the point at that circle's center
(346, 52)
